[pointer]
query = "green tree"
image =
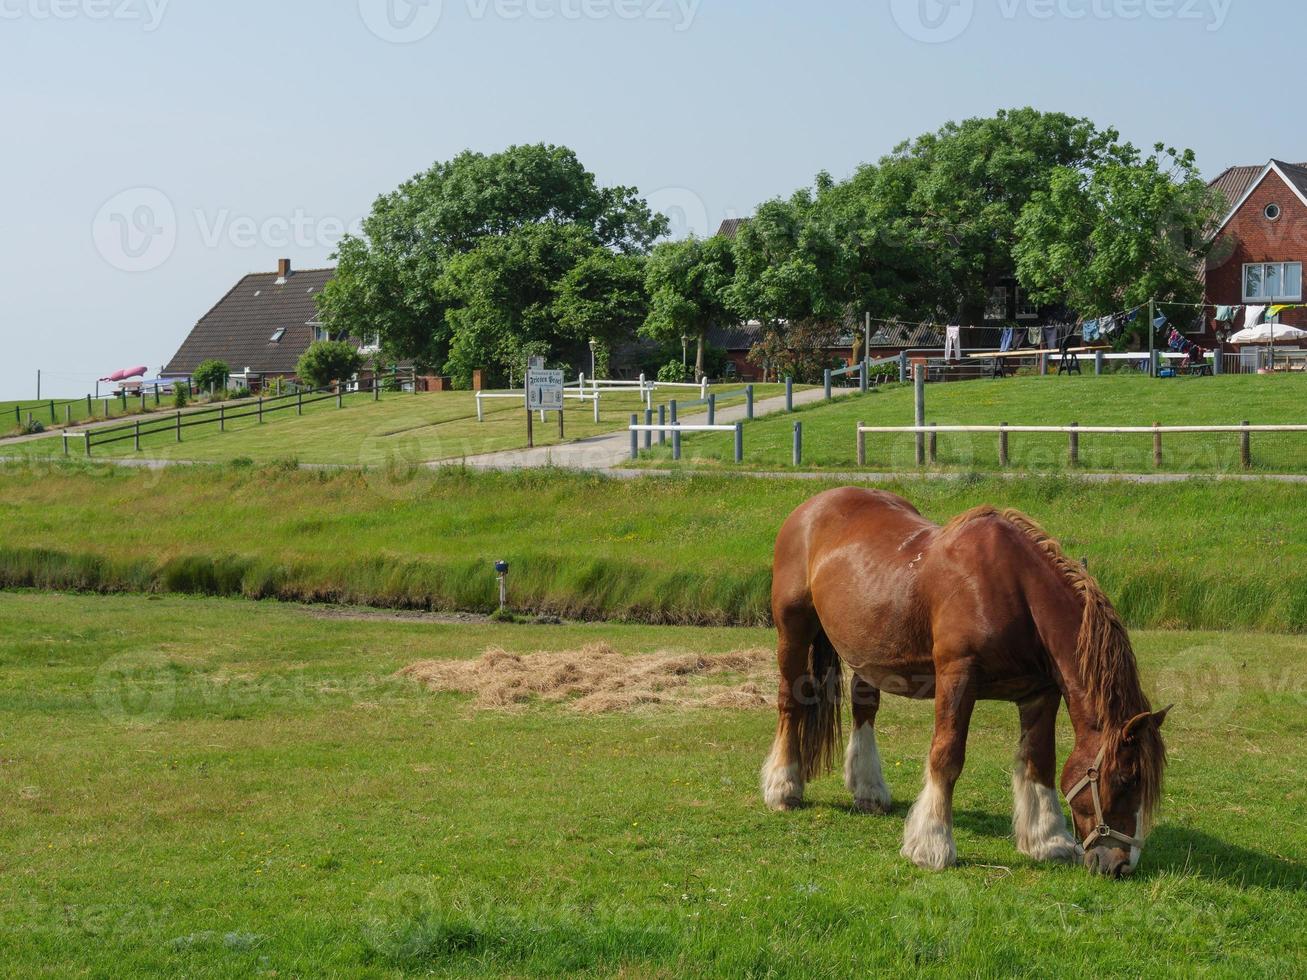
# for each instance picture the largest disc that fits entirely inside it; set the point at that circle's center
(433, 270)
(688, 284)
(211, 374)
(602, 297)
(326, 361)
(1131, 229)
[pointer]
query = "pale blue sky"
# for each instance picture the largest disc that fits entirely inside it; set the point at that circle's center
(245, 118)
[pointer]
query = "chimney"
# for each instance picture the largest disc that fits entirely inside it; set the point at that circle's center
(283, 271)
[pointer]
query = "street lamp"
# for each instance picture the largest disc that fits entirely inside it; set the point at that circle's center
(685, 350)
(593, 344)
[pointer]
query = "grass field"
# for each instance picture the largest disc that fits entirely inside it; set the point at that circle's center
(14, 413)
(829, 431)
(662, 549)
(208, 787)
(400, 429)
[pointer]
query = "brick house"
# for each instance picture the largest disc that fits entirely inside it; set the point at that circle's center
(1261, 244)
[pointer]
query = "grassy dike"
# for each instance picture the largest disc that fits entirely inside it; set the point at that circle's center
(662, 550)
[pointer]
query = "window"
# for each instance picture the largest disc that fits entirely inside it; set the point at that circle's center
(321, 333)
(1272, 282)
(1272, 212)
(277, 335)
(371, 342)
(996, 307)
(1026, 310)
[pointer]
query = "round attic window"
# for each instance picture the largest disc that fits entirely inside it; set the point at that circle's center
(1272, 212)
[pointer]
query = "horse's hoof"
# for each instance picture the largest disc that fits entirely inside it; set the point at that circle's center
(874, 807)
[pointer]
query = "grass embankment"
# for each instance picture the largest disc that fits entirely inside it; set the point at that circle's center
(74, 411)
(668, 550)
(212, 788)
(830, 439)
(400, 429)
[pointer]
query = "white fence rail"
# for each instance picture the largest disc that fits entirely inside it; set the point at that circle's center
(676, 428)
(1073, 433)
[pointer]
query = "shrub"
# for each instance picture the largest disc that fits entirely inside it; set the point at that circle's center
(32, 426)
(241, 392)
(673, 372)
(181, 394)
(328, 360)
(211, 374)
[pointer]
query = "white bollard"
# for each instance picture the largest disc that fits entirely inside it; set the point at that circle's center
(581, 388)
(596, 401)
(481, 414)
(703, 389)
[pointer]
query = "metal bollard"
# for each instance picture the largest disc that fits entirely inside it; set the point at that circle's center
(862, 446)
(748, 402)
(662, 420)
(676, 443)
(1245, 447)
(827, 382)
(1157, 446)
(136, 433)
(712, 409)
(635, 437)
(862, 384)
(739, 442)
(481, 412)
(596, 405)
(798, 443)
(1098, 362)
(1002, 444)
(648, 435)
(673, 410)
(934, 445)
(789, 393)
(1074, 445)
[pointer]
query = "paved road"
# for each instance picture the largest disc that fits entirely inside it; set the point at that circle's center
(605, 452)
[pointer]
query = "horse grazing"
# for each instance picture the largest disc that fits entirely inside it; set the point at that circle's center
(987, 607)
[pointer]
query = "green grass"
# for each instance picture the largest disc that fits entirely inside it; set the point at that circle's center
(660, 549)
(401, 429)
(216, 788)
(830, 442)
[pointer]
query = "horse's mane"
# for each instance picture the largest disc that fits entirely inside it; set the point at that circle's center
(1107, 667)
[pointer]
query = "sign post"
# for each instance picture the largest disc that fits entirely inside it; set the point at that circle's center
(544, 393)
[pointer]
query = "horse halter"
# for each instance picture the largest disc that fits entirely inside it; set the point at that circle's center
(1102, 830)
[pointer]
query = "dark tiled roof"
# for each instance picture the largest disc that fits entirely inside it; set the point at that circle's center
(731, 226)
(1297, 174)
(239, 329)
(1237, 181)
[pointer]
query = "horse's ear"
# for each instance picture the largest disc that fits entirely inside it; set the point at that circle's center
(1136, 724)
(1161, 715)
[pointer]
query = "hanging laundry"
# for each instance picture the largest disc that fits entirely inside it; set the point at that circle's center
(1277, 310)
(1252, 316)
(1134, 315)
(1112, 324)
(953, 344)
(1005, 345)
(1033, 336)
(1226, 314)
(1091, 331)
(1175, 341)
(1160, 322)
(1050, 338)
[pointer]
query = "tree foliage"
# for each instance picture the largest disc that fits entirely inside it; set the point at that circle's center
(460, 267)
(688, 287)
(211, 374)
(326, 361)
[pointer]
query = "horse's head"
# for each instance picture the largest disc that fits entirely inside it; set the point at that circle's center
(1113, 789)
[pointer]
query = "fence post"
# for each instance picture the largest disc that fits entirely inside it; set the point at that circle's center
(1073, 441)
(919, 402)
(1218, 362)
(862, 446)
(260, 409)
(1098, 362)
(1157, 445)
(712, 409)
(18, 415)
(827, 383)
(222, 418)
(676, 442)
(748, 402)
(90, 411)
(52, 418)
(648, 436)
(673, 411)
(1043, 365)
(798, 444)
(340, 396)
(934, 445)
(68, 414)
(1245, 447)
(789, 393)
(662, 420)
(136, 433)
(739, 442)
(65, 437)
(376, 387)
(179, 426)
(1002, 444)
(635, 437)
(481, 412)
(88, 443)
(107, 412)
(903, 367)
(142, 401)
(299, 401)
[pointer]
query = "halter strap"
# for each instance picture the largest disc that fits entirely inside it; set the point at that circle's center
(1102, 830)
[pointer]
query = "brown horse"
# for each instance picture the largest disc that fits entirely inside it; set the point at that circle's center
(989, 608)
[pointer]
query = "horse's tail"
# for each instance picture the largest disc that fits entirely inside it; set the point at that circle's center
(820, 722)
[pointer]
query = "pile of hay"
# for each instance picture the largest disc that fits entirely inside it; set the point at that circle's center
(597, 679)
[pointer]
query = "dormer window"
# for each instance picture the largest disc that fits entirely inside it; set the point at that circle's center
(321, 333)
